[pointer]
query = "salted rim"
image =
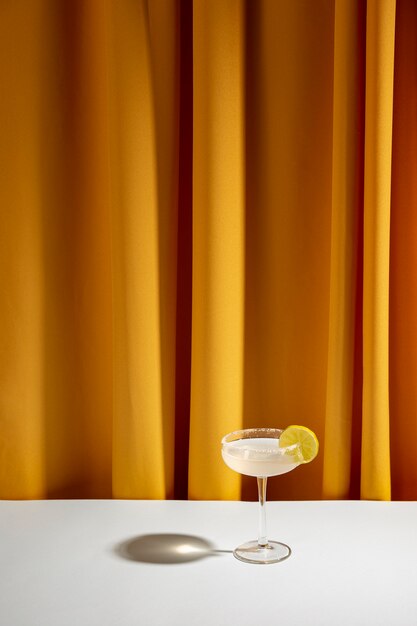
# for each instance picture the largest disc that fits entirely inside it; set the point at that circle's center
(278, 450)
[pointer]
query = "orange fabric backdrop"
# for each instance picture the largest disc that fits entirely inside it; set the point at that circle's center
(207, 223)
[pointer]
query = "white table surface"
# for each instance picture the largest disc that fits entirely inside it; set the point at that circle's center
(73, 563)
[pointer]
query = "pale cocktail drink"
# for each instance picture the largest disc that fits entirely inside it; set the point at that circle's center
(259, 457)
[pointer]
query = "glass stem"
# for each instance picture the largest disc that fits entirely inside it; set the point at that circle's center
(262, 539)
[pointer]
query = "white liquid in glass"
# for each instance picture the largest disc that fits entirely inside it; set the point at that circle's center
(259, 457)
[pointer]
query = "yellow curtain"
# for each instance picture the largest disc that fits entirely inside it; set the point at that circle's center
(207, 222)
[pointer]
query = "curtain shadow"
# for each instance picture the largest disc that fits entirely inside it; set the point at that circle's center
(184, 258)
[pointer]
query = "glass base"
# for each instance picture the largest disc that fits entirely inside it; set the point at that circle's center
(252, 552)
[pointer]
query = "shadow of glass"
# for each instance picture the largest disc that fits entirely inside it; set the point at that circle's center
(166, 549)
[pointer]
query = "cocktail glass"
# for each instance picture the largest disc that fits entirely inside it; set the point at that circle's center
(256, 452)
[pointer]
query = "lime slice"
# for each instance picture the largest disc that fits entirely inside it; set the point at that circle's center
(304, 437)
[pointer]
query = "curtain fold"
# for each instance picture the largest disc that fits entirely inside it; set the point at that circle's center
(375, 465)
(23, 80)
(289, 64)
(343, 415)
(403, 251)
(143, 214)
(218, 243)
(206, 223)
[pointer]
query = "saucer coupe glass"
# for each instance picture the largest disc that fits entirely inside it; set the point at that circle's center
(257, 452)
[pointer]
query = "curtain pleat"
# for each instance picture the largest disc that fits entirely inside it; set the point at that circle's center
(403, 284)
(77, 258)
(142, 420)
(24, 78)
(342, 439)
(206, 223)
(289, 93)
(218, 243)
(375, 464)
